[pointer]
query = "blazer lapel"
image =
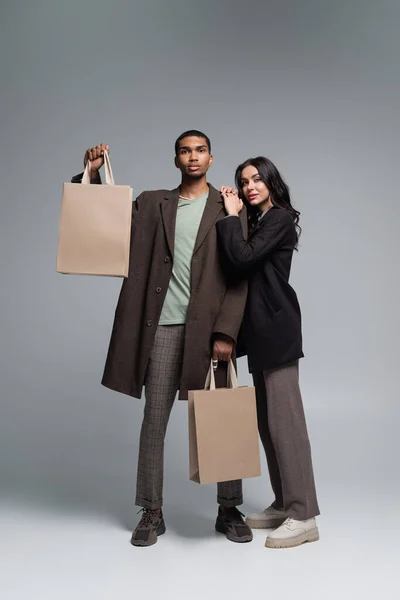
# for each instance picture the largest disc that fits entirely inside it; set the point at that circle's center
(169, 207)
(212, 209)
(260, 223)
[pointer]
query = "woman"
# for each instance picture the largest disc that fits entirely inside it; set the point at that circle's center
(272, 339)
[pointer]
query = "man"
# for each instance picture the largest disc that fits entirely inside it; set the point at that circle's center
(179, 307)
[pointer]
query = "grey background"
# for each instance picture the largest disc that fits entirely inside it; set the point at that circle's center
(315, 86)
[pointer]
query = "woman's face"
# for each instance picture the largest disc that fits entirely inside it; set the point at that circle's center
(254, 189)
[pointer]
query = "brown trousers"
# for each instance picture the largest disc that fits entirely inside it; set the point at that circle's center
(283, 432)
(161, 386)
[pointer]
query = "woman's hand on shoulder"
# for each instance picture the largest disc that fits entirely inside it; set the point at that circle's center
(233, 204)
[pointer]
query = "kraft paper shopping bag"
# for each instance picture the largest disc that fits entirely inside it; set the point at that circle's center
(95, 227)
(223, 432)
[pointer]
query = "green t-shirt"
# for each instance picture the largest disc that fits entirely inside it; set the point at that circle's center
(188, 219)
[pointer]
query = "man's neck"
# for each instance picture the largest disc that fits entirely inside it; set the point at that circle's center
(193, 189)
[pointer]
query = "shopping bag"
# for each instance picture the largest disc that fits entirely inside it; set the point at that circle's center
(223, 432)
(95, 227)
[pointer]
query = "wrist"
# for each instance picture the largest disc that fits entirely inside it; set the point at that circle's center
(222, 337)
(95, 176)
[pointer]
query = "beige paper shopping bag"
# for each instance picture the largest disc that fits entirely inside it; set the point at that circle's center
(95, 227)
(223, 432)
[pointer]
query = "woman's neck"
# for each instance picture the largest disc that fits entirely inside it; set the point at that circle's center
(265, 206)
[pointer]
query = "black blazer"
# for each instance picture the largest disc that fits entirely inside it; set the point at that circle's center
(271, 331)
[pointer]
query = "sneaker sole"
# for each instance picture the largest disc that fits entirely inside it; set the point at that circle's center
(264, 524)
(221, 528)
(142, 544)
(304, 538)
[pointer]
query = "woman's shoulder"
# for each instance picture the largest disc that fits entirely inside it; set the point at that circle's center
(278, 215)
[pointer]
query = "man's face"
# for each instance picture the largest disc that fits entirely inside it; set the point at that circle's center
(193, 158)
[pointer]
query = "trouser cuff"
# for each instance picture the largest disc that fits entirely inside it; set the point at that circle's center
(152, 505)
(229, 503)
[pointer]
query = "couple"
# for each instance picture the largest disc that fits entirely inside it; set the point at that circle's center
(208, 278)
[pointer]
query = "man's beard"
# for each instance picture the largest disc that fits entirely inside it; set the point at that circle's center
(197, 175)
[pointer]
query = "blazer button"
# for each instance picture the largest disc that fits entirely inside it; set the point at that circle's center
(149, 323)
(167, 259)
(158, 290)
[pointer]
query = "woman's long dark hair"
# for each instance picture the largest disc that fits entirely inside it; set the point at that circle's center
(279, 191)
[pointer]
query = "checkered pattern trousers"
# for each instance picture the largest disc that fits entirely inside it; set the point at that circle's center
(161, 386)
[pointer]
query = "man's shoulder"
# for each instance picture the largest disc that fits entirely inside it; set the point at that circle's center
(154, 194)
(150, 199)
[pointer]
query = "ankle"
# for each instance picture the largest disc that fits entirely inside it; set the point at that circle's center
(227, 509)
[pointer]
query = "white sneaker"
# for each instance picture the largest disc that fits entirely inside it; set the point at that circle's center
(270, 517)
(293, 533)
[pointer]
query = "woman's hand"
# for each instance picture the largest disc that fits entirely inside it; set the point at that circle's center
(233, 204)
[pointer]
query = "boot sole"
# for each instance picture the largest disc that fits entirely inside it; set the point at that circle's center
(263, 524)
(142, 544)
(221, 528)
(304, 538)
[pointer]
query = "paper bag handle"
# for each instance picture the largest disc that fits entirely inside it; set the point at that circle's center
(107, 168)
(232, 377)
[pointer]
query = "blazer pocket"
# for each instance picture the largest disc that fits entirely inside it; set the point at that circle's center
(272, 301)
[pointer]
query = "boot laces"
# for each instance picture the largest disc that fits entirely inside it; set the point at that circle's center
(289, 521)
(148, 516)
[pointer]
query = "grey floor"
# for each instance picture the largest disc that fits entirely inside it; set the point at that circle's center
(66, 522)
(58, 554)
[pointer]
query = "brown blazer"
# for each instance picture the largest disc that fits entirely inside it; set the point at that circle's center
(216, 305)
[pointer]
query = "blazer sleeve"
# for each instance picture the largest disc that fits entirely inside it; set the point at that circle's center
(244, 254)
(78, 178)
(230, 316)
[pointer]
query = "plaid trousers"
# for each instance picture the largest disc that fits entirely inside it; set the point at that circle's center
(161, 386)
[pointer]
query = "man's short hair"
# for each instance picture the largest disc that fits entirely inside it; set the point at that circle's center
(192, 133)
